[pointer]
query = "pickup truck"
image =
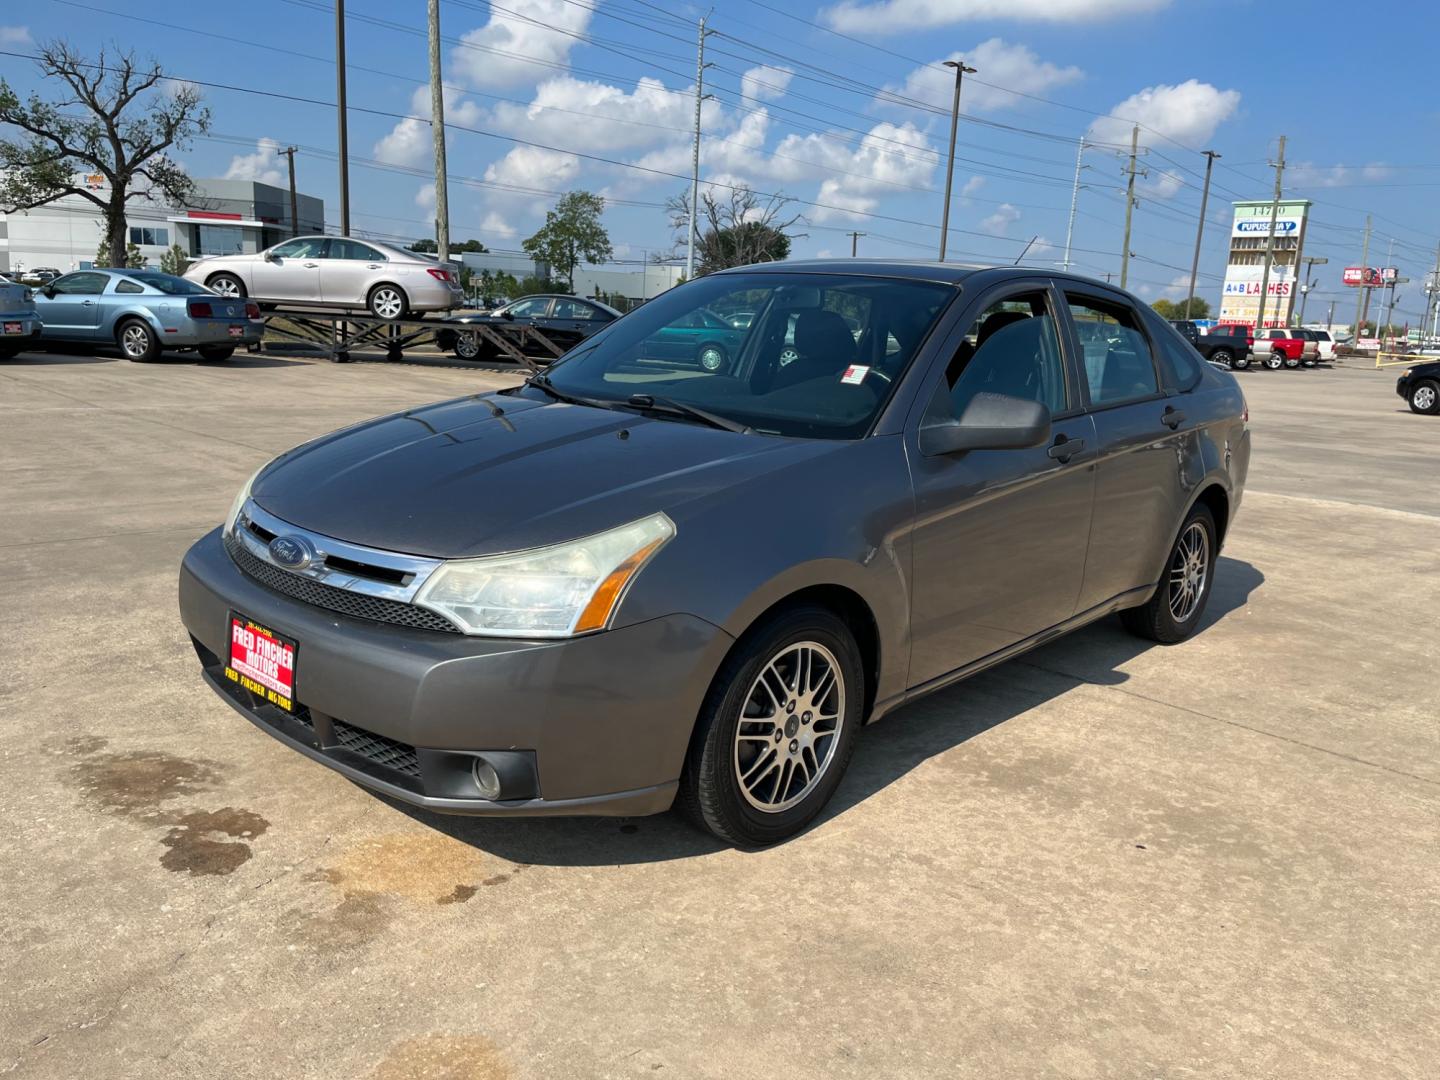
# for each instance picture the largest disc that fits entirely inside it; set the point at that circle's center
(1322, 340)
(1227, 343)
(1277, 347)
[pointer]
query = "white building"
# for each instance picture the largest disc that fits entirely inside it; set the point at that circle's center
(226, 217)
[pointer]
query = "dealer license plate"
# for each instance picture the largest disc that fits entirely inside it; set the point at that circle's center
(237, 331)
(262, 661)
(14, 328)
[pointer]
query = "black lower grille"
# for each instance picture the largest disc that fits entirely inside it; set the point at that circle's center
(382, 751)
(344, 601)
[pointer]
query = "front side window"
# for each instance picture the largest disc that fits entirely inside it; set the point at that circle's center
(309, 247)
(818, 359)
(1116, 355)
(1012, 348)
(81, 284)
(573, 309)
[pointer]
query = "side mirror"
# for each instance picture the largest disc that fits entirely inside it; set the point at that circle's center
(47, 291)
(508, 314)
(268, 256)
(990, 422)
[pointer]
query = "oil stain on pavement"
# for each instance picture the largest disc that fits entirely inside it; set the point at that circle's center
(443, 1057)
(211, 842)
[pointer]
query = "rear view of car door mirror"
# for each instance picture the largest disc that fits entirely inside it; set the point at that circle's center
(990, 422)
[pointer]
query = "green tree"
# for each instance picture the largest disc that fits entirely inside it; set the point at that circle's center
(113, 119)
(572, 232)
(102, 254)
(425, 247)
(133, 258)
(474, 246)
(174, 261)
(1197, 308)
(530, 284)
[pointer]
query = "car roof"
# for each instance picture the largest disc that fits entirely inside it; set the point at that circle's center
(978, 275)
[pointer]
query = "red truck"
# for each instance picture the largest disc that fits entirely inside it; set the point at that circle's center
(1277, 347)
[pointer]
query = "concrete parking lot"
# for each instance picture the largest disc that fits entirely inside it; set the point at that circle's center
(1106, 859)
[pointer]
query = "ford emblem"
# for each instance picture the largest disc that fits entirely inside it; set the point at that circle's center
(292, 552)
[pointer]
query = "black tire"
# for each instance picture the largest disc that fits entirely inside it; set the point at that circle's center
(1424, 397)
(1292, 361)
(1224, 356)
(137, 341)
(387, 302)
(711, 792)
(1272, 361)
(711, 357)
(216, 352)
(445, 340)
(1241, 362)
(229, 282)
(9, 350)
(1156, 619)
(468, 346)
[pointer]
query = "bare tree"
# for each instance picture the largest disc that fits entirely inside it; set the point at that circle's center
(737, 229)
(113, 119)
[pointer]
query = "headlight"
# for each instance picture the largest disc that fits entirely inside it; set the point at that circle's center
(559, 591)
(240, 500)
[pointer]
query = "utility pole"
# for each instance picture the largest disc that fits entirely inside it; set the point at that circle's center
(854, 242)
(1074, 203)
(1362, 298)
(1210, 156)
(289, 152)
(695, 156)
(1308, 284)
(1270, 238)
(1432, 295)
(1129, 205)
(437, 131)
(960, 72)
(341, 113)
(1330, 317)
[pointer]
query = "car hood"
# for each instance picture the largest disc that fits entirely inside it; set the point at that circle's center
(453, 479)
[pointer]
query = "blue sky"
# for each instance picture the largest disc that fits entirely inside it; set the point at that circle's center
(853, 127)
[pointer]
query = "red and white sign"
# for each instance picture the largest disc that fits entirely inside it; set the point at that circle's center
(1373, 277)
(855, 374)
(262, 661)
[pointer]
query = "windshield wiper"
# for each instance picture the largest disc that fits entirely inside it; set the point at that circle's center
(650, 403)
(543, 382)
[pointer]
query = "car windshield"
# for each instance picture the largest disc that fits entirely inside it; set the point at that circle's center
(172, 286)
(817, 360)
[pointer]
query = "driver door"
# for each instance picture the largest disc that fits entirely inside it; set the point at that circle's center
(292, 272)
(1000, 536)
(69, 306)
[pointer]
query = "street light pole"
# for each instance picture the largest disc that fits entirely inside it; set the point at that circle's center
(1074, 204)
(695, 156)
(1210, 156)
(437, 130)
(960, 72)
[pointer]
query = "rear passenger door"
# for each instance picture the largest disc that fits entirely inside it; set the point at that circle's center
(1138, 437)
(348, 270)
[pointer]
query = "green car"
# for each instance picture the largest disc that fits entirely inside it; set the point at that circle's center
(699, 337)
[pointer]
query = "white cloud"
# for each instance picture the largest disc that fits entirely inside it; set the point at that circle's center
(588, 115)
(498, 227)
(409, 141)
(998, 223)
(175, 87)
(263, 166)
(532, 167)
(897, 16)
(488, 56)
(1307, 175)
(1012, 66)
(974, 184)
(890, 158)
(1188, 114)
(425, 198)
(765, 82)
(15, 35)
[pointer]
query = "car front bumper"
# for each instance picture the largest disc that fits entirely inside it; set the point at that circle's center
(604, 721)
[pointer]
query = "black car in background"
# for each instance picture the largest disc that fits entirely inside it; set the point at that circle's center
(1420, 387)
(1228, 343)
(1187, 329)
(566, 320)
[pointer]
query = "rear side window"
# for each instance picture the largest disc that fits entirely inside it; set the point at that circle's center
(1116, 355)
(125, 286)
(1179, 362)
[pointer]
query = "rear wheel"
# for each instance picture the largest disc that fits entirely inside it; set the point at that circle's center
(467, 346)
(9, 350)
(1173, 612)
(711, 357)
(387, 302)
(1273, 361)
(216, 352)
(777, 729)
(1224, 356)
(227, 285)
(1292, 361)
(1425, 397)
(137, 341)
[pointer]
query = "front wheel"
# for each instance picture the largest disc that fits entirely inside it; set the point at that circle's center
(228, 286)
(1173, 612)
(467, 346)
(137, 341)
(777, 729)
(387, 302)
(1425, 397)
(711, 357)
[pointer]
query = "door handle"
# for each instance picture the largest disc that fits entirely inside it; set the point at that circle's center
(1173, 417)
(311, 266)
(1064, 449)
(86, 303)
(372, 266)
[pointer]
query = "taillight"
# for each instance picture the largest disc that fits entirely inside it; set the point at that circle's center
(438, 275)
(252, 311)
(200, 309)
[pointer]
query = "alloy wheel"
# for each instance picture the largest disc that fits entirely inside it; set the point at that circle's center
(467, 346)
(227, 287)
(135, 340)
(711, 358)
(789, 726)
(788, 355)
(1189, 570)
(387, 303)
(1424, 398)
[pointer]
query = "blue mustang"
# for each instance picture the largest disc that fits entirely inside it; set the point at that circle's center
(143, 312)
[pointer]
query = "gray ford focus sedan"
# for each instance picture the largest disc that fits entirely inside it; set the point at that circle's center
(634, 582)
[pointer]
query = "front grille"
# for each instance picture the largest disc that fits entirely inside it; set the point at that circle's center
(356, 605)
(382, 751)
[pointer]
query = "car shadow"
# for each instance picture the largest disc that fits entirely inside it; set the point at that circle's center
(887, 751)
(56, 359)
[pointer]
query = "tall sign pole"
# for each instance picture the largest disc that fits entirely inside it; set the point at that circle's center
(960, 72)
(341, 114)
(1210, 156)
(437, 130)
(1363, 295)
(1270, 238)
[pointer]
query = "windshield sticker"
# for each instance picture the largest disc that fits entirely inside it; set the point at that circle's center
(855, 374)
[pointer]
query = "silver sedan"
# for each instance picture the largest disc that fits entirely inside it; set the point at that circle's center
(335, 272)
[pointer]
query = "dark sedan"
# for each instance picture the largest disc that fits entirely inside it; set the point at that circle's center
(566, 320)
(628, 584)
(1420, 387)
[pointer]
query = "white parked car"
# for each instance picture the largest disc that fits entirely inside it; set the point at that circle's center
(335, 272)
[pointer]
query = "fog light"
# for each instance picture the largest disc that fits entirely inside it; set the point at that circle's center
(486, 779)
